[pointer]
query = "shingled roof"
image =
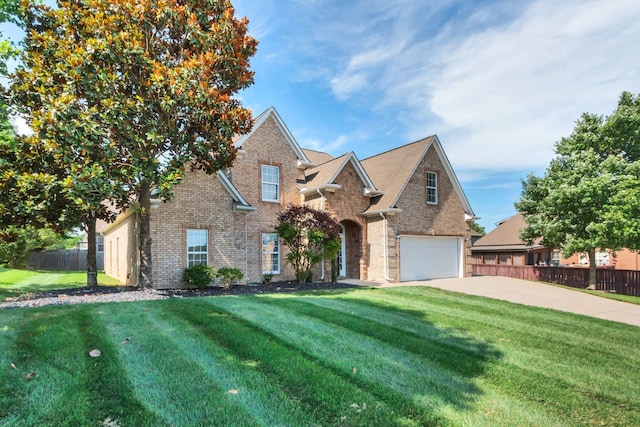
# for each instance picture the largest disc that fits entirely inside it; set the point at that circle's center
(317, 157)
(506, 236)
(325, 174)
(390, 171)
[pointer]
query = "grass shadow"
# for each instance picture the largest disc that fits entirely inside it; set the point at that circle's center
(396, 354)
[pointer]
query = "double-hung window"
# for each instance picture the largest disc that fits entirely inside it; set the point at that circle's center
(197, 247)
(432, 188)
(270, 253)
(270, 183)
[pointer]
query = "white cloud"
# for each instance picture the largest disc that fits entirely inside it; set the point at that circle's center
(509, 93)
(498, 92)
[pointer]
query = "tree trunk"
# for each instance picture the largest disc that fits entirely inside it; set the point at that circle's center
(145, 278)
(592, 269)
(92, 261)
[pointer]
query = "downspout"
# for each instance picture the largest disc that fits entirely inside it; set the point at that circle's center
(137, 234)
(246, 245)
(322, 208)
(321, 198)
(384, 248)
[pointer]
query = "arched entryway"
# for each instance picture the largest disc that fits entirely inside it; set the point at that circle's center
(351, 251)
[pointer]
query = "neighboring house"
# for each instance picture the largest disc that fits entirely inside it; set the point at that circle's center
(504, 246)
(402, 213)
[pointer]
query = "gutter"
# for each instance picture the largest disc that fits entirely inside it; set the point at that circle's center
(385, 255)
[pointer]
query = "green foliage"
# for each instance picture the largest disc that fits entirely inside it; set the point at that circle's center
(311, 236)
(267, 278)
(589, 196)
(15, 242)
(127, 94)
(228, 276)
(477, 227)
(199, 275)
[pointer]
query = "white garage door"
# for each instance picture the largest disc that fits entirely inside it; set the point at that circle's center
(429, 257)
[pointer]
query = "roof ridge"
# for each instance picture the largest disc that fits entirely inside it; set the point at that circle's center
(332, 159)
(397, 148)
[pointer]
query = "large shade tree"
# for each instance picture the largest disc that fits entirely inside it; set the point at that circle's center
(589, 196)
(149, 86)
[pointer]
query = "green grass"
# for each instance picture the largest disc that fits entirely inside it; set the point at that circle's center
(408, 356)
(602, 294)
(14, 283)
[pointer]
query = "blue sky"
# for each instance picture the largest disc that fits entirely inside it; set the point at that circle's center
(498, 81)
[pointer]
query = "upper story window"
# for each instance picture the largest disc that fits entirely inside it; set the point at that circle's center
(270, 183)
(197, 247)
(432, 188)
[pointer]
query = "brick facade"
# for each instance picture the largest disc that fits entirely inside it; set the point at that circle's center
(199, 202)
(205, 202)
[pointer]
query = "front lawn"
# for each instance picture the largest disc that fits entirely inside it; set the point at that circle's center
(408, 356)
(14, 283)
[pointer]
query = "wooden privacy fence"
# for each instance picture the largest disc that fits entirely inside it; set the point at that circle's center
(61, 260)
(623, 282)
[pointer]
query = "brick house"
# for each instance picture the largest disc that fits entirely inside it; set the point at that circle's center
(402, 213)
(503, 246)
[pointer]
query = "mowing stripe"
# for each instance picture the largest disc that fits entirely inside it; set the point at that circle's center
(532, 370)
(265, 402)
(328, 395)
(105, 378)
(437, 390)
(491, 315)
(175, 387)
(514, 352)
(51, 370)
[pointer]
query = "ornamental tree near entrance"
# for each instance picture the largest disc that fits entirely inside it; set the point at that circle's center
(153, 79)
(311, 236)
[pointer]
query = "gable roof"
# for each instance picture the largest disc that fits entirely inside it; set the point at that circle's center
(317, 157)
(324, 175)
(392, 170)
(303, 160)
(506, 236)
(239, 202)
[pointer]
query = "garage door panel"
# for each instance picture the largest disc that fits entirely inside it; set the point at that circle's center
(424, 258)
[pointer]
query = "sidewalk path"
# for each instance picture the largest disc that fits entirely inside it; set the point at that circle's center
(530, 293)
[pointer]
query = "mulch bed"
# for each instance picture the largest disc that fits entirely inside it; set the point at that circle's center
(250, 289)
(128, 293)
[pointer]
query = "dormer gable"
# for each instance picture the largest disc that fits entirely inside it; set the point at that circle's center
(391, 171)
(323, 177)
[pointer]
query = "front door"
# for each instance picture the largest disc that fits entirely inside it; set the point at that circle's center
(342, 256)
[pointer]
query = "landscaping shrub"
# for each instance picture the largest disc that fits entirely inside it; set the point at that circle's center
(199, 275)
(267, 278)
(229, 276)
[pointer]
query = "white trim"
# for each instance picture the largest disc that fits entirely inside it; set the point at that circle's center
(387, 211)
(263, 253)
(434, 187)
(448, 169)
(343, 252)
(263, 182)
(362, 174)
(234, 193)
(205, 253)
(271, 112)
(331, 188)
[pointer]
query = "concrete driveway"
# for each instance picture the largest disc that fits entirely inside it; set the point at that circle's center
(531, 293)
